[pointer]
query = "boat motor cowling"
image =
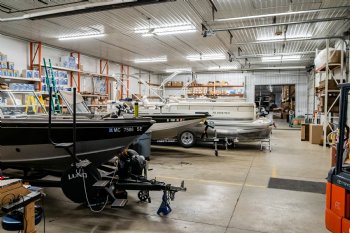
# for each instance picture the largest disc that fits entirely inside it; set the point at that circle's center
(131, 166)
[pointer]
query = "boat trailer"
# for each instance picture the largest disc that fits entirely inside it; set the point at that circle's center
(84, 183)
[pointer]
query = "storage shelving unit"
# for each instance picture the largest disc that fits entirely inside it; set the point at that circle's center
(209, 90)
(10, 78)
(325, 103)
(75, 75)
(125, 85)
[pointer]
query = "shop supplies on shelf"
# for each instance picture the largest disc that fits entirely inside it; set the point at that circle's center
(30, 74)
(69, 62)
(3, 65)
(10, 65)
(3, 57)
(21, 87)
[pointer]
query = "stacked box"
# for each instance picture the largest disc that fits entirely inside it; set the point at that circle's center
(16, 73)
(10, 65)
(27, 73)
(10, 73)
(61, 80)
(3, 57)
(21, 87)
(4, 72)
(36, 74)
(69, 62)
(3, 65)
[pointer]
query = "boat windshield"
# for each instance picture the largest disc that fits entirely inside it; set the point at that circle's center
(81, 108)
(20, 103)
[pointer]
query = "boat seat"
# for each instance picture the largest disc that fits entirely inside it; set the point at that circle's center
(64, 145)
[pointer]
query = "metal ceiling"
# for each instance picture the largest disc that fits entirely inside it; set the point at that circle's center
(122, 45)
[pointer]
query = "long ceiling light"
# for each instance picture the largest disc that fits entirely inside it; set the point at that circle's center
(151, 60)
(223, 68)
(281, 58)
(81, 37)
(178, 70)
(282, 37)
(207, 57)
(166, 30)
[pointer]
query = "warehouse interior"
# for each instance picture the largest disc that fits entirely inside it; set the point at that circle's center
(223, 116)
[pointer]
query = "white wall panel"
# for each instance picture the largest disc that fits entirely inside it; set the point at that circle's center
(16, 52)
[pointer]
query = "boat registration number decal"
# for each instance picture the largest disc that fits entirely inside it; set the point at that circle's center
(175, 120)
(221, 113)
(125, 130)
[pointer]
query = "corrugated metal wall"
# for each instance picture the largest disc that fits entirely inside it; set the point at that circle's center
(299, 79)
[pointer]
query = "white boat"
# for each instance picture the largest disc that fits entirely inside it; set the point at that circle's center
(231, 120)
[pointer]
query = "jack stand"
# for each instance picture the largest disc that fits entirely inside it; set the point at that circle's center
(164, 208)
(216, 140)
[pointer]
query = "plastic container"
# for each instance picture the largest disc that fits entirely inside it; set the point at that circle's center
(143, 145)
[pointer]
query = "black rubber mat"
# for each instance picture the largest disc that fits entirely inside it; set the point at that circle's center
(297, 185)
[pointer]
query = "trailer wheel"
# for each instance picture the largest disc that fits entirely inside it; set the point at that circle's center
(187, 139)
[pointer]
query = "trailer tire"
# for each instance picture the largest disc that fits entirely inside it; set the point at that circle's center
(186, 139)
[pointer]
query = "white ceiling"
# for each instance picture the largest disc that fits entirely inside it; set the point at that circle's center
(122, 45)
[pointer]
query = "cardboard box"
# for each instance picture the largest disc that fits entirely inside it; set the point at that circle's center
(10, 65)
(316, 133)
(27, 74)
(332, 84)
(3, 57)
(3, 65)
(177, 84)
(305, 136)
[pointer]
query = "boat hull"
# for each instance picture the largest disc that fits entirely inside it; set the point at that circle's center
(25, 143)
(235, 130)
(169, 126)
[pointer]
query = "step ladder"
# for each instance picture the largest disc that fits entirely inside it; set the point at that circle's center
(51, 82)
(30, 102)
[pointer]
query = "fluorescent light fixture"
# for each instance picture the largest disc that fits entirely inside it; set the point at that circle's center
(280, 68)
(223, 68)
(178, 70)
(151, 60)
(281, 58)
(282, 37)
(81, 37)
(166, 30)
(175, 32)
(207, 57)
(147, 35)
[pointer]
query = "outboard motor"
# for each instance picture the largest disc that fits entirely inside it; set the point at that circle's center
(131, 165)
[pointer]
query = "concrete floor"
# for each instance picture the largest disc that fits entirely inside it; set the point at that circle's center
(225, 194)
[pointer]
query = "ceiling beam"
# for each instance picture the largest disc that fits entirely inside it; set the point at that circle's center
(274, 54)
(281, 14)
(288, 40)
(85, 8)
(280, 24)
